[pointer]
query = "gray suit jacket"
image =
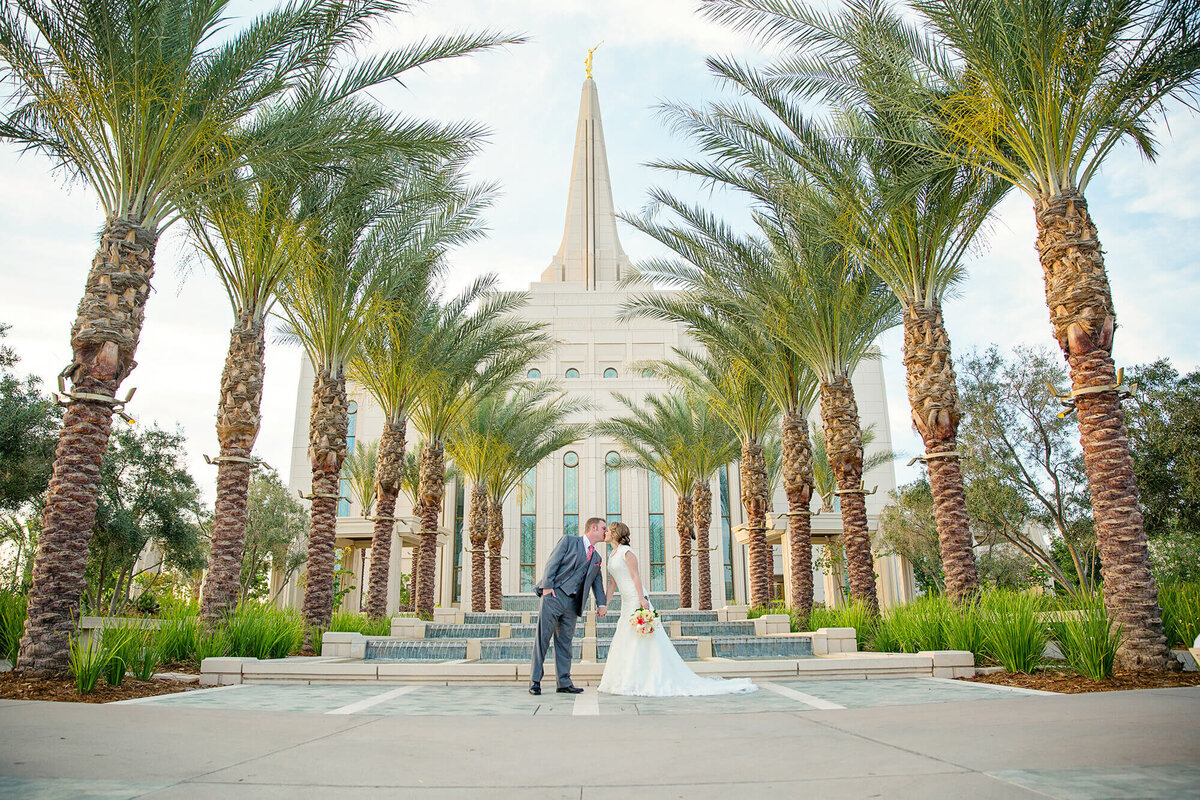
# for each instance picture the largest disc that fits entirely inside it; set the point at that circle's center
(568, 571)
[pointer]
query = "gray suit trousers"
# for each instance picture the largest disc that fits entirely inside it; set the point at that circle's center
(556, 618)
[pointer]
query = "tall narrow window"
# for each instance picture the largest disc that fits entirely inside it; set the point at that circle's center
(343, 484)
(726, 533)
(658, 545)
(570, 494)
(459, 503)
(528, 528)
(612, 486)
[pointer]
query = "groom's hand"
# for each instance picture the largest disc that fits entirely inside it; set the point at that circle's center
(602, 611)
(548, 591)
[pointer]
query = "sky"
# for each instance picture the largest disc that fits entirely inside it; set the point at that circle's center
(1148, 215)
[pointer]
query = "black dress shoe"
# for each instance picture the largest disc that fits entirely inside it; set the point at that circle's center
(535, 690)
(569, 690)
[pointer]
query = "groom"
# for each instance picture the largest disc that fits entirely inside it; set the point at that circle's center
(574, 567)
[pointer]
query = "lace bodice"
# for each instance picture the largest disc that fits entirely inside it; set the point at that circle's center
(618, 568)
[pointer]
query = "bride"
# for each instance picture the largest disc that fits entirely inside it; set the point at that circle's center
(647, 665)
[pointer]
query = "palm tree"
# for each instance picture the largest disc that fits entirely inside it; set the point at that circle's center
(477, 346)
(1041, 110)
(328, 306)
(248, 230)
(909, 215)
(712, 258)
(359, 471)
(661, 437)
(714, 445)
(392, 353)
(135, 98)
(531, 423)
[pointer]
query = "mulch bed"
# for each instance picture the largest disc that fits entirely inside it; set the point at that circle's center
(19, 687)
(1064, 682)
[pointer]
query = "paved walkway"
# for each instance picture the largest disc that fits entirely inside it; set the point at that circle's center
(896, 739)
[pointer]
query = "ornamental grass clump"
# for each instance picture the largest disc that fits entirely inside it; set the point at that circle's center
(12, 624)
(263, 631)
(963, 631)
(1089, 639)
(121, 644)
(143, 656)
(916, 626)
(175, 639)
(350, 622)
(1013, 632)
(1180, 612)
(857, 615)
(86, 662)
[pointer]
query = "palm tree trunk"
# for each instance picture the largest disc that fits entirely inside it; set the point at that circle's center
(933, 395)
(238, 421)
(1083, 318)
(432, 488)
(798, 486)
(844, 448)
(387, 489)
(103, 341)
(755, 501)
(702, 513)
(327, 450)
(477, 526)
(495, 542)
(683, 527)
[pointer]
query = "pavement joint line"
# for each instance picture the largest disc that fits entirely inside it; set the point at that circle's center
(807, 699)
(363, 705)
(1013, 689)
(190, 693)
(586, 705)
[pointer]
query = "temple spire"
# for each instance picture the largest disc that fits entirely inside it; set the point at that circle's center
(590, 253)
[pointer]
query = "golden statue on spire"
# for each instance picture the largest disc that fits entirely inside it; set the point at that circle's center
(587, 62)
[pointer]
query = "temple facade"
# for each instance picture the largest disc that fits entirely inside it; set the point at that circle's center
(579, 298)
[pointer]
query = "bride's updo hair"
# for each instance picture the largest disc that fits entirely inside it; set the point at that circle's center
(620, 532)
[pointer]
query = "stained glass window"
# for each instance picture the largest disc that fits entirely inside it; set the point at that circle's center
(570, 494)
(726, 532)
(528, 528)
(343, 484)
(459, 503)
(658, 551)
(612, 486)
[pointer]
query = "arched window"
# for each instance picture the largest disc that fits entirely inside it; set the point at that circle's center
(533, 374)
(572, 373)
(459, 507)
(612, 486)
(343, 484)
(570, 494)
(647, 373)
(528, 528)
(610, 373)
(658, 549)
(726, 532)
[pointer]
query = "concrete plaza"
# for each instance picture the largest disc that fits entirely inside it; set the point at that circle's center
(897, 739)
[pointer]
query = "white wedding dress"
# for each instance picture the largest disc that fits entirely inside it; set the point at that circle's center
(649, 666)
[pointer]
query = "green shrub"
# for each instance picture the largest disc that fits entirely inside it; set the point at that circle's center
(12, 624)
(855, 615)
(1180, 604)
(1089, 640)
(86, 663)
(1013, 633)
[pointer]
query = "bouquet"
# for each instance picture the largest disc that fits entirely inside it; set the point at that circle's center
(644, 620)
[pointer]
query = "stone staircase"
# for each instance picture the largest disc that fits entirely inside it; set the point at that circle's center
(507, 636)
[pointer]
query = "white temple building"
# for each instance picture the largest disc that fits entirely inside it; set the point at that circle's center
(595, 355)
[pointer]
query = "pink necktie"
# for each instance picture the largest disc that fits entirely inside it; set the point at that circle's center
(591, 549)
